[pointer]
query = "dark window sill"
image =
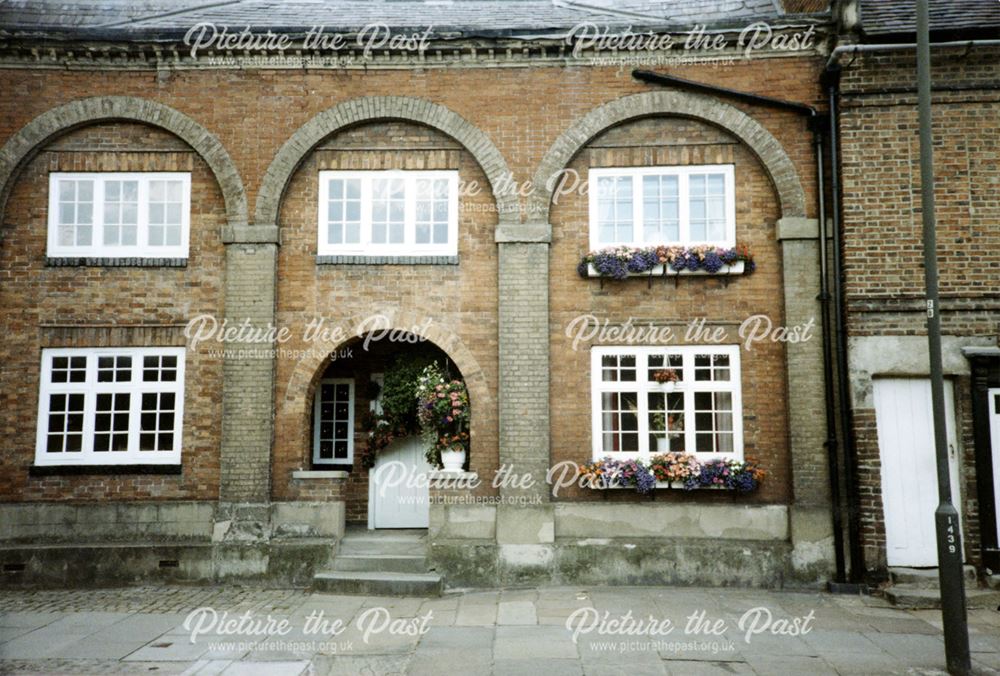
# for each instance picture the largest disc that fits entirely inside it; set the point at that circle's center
(386, 260)
(83, 470)
(70, 262)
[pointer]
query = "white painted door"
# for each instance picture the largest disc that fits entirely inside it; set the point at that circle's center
(909, 469)
(398, 487)
(994, 408)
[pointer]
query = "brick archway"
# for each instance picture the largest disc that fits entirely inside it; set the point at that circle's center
(295, 403)
(25, 144)
(357, 111)
(761, 142)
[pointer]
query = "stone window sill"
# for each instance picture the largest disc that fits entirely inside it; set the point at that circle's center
(319, 474)
(71, 262)
(386, 260)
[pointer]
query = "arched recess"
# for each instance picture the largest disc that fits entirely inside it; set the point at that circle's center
(681, 104)
(367, 109)
(295, 405)
(25, 144)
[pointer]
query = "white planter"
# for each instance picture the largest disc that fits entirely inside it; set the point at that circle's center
(669, 386)
(659, 271)
(453, 461)
(662, 444)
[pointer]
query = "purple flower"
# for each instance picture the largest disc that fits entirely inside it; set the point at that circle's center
(712, 263)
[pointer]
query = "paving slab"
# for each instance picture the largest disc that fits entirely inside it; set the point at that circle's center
(790, 664)
(539, 642)
(516, 612)
(708, 668)
(140, 630)
(549, 667)
(266, 668)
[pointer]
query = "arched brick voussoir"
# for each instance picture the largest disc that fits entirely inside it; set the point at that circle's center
(26, 143)
(307, 371)
(708, 109)
(357, 111)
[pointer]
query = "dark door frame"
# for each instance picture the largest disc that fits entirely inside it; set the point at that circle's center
(985, 364)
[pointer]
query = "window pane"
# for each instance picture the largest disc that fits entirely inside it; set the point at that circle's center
(333, 420)
(614, 208)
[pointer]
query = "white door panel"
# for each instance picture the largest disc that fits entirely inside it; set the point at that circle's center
(909, 469)
(398, 495)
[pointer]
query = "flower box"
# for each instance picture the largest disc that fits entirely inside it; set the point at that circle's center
(664, 485)
(676, 470)
(622, 262)
(736, 268)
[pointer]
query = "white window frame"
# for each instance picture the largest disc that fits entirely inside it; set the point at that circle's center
(90, 388)
(409, 247)
(317, 402)
(688, 387)
(142, 248)
(683, 174)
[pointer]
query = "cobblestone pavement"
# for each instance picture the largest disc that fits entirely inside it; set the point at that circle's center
(621, 630)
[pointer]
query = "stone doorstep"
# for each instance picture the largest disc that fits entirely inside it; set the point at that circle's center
(927, 578)
(387, 562)
(918, 588)
(916, 598)
(378, 583)
(402, 563)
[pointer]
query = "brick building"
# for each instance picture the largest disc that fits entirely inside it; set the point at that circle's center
(146, 184)
(883, 273)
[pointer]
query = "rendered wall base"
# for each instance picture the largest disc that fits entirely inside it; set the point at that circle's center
(652, 544)
(78, 545)
(618, 561)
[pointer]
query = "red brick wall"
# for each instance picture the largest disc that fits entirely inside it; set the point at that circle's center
(34, 296)
(721, 301)
(462, 298)
(882, 233)
(253, 112)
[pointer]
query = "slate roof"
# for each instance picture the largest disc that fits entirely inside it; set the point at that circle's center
(165, 19)
(885, 17)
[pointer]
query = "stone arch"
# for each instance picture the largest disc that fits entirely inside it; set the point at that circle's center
(761, 142)
(371, 108)
(25, 144)
(296, 402)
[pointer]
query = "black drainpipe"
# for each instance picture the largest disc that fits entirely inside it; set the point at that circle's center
(831, 79)
(816, 125)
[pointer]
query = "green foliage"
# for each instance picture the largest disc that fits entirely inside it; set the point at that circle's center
(399, 391)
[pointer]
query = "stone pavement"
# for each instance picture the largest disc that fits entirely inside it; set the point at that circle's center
(617, 630)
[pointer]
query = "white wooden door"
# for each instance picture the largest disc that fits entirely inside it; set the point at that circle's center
(994, 408)
(398, 495)
(909, 469)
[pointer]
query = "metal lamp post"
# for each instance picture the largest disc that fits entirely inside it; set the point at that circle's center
(949, 537)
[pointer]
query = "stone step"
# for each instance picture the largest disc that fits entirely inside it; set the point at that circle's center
(381, 547)
(927, 578)
(378, 583)
(913, 597)
(392, 563)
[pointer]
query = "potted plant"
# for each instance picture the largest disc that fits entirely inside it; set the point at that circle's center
(443, 412)
(667, 379)
(658, 425)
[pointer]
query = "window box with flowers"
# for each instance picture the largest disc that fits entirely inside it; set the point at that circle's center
(668, 417)
(673, 470)
(664, 220)
(622, 262)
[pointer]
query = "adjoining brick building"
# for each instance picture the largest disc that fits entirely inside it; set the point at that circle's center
(144, 187)
(883, 274)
